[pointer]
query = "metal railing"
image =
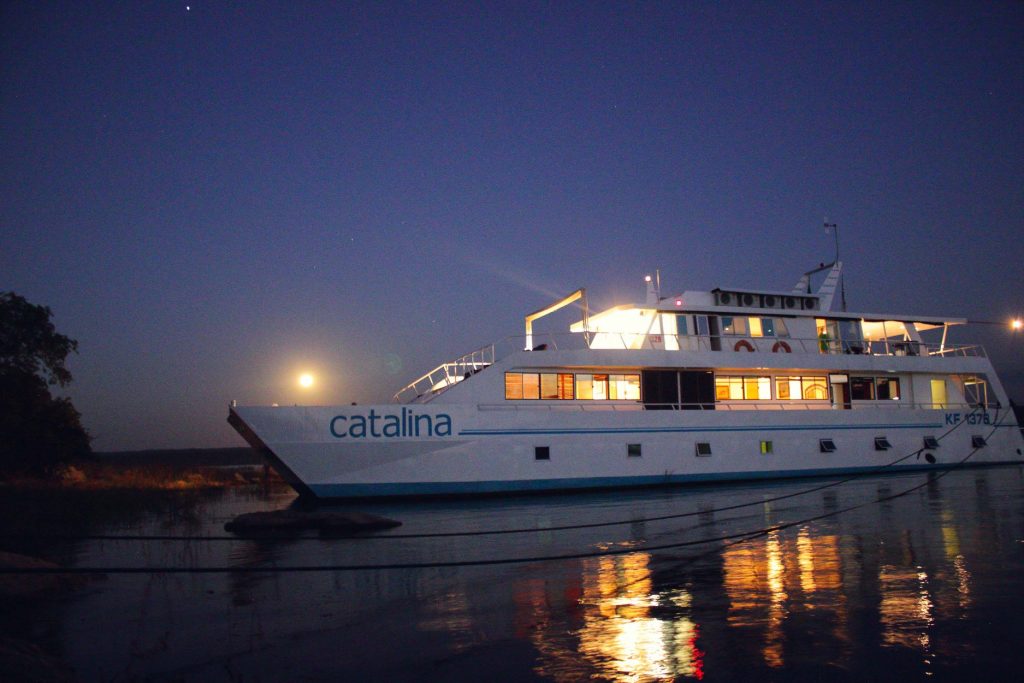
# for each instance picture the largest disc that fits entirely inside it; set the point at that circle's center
(448, 374)
(445, 375)
(623, 406)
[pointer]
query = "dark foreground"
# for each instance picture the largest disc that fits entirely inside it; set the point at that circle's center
(829, 585)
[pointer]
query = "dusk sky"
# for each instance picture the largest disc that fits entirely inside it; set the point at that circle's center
(215, 196)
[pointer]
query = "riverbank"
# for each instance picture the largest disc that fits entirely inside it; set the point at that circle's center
(161, 470)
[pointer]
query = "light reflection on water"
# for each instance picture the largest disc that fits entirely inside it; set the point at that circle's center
(928, 584)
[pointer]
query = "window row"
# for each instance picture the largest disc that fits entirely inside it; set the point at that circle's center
(754, 327)
(703, 448)
(746, 388)
(549, 386)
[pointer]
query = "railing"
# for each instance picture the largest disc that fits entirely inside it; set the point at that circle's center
(446, 375)
(743, 344)
(597, 406)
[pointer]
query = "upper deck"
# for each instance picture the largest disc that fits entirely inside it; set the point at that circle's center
(721, 328)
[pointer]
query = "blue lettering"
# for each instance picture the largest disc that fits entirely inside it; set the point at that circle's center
(444, 425)
(424, 419)
(391, 425)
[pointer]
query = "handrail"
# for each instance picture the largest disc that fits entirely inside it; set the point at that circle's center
(774, 405)
(446, 375)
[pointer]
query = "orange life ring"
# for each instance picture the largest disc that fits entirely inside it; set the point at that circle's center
(781, 345)
(743, 344)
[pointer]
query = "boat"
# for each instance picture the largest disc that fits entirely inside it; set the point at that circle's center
(705, 386)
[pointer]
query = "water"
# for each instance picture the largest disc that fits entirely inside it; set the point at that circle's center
(926, 585)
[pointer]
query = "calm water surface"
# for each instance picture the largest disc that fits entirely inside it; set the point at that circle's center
(927, 585)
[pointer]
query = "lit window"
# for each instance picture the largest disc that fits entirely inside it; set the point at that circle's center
(624, 387)
(549, 386)
(513, 385)
(531, 385)
(731, 325)
(585, 387)
(755, 327)
(801, 388)
(565, 386)
(766, 447)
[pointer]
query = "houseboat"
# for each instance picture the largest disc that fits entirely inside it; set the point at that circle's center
(727, 384)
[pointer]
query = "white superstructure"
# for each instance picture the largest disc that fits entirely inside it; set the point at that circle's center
(721, 385)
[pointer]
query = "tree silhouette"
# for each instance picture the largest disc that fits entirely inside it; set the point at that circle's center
(37, 430)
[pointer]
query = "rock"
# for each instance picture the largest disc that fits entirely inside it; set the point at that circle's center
(294, 521)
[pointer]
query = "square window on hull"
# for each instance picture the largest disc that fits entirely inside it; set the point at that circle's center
(931, 442)
(827, 445)
(633, 450)
(703, 449)
(882, 443)
(542, 453)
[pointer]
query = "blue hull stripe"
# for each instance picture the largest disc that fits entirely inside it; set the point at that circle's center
(657, 430)
(533, 485)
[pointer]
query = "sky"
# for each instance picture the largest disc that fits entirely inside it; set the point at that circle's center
(213, 197)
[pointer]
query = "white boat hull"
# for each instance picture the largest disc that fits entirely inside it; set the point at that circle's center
(391, 450)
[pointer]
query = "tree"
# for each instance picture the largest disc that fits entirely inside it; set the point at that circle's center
(38, 432)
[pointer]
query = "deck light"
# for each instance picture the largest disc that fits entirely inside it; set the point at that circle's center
(679, 302)
(1016, 324)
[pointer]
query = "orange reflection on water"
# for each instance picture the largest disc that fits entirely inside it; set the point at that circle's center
(906, 607)
(764, 578)
(618, 635)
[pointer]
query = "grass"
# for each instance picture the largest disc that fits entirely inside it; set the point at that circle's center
(103, 476)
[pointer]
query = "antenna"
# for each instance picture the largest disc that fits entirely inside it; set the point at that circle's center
(842, 279)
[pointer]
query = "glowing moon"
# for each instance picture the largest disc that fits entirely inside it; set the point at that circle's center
(305, 380)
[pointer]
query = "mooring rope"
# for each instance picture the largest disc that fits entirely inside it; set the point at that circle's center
(739, 537)
(490, 532)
